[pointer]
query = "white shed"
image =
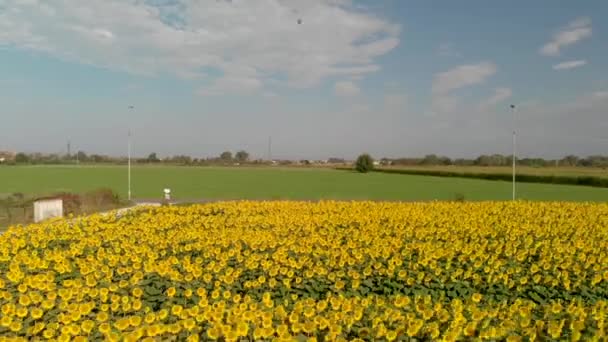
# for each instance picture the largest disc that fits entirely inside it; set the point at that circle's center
(47, 208)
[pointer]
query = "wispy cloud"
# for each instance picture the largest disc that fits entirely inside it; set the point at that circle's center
(232, 85)
(346, 88)
(569, 64)
(574, 32)
(500, 95)
(444, 100)
(192, 39)
(462, 76)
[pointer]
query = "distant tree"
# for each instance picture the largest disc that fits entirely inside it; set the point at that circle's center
(98, 158)
(241, 156)
(364, 163)
(430, 159)
(464, 162)
(483, 160)
(81, 156)
(596, 161)
(336, 161)
(152, 158)
(226, 156)
(180, 159)
(569, 160)
(22, 158)
(407, 161)
(532, 162)
(445, 161)
(187, 160)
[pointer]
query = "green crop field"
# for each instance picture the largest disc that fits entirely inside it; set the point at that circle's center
(211, 183)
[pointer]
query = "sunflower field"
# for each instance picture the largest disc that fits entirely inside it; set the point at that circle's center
(299, 271)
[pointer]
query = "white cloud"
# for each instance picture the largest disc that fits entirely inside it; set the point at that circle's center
(575, 31)
(445, 83)
(196, 38)
(232, 85)
(346, 88)
(569, 64)
(500, 95)
(462, 76)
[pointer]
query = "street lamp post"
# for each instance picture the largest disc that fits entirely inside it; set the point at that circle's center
(514, 154)
(129, 165)
(129, 161)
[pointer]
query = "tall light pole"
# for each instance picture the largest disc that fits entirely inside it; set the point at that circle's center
(514, 154)
(129, 160)
(270, 149)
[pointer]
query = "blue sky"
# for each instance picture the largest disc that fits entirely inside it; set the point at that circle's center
(393, 78)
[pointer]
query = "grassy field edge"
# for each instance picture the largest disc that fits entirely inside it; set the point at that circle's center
(591, 181)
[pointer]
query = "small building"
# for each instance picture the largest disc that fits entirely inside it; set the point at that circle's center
(46, 208)
(386, 162)
(7, 156)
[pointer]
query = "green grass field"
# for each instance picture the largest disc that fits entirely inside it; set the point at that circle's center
(201, 183)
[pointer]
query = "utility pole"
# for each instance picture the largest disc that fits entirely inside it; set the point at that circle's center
(69, 149)
(514, 151)
(129, 164)
(129, 160)
(270, 149)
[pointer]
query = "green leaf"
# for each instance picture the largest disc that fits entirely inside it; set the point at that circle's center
(535, 297)
(152, 291)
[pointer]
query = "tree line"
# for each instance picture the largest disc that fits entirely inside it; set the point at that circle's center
(499, 160)
(153, 158)
(243, 157)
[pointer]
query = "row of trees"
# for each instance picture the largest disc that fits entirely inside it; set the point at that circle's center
(224, 158)
(499, 160)
(81, 157)
(241, 157)
(53, 158)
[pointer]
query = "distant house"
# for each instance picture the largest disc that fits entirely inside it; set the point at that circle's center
(7, 156)
(376, 163)
(386, 162)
